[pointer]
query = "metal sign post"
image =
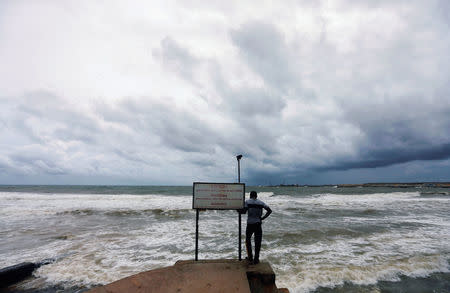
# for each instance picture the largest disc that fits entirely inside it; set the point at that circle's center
(239, 157)
(196, 235)
(217, 196)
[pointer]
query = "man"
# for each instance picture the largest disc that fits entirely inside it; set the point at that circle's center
(254, 208)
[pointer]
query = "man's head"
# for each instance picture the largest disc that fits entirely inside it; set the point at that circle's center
(253, 194)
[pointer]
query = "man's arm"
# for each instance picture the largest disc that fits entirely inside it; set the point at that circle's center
(242, 211)
(269, 211)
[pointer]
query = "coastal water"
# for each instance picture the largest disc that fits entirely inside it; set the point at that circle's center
(318, 239)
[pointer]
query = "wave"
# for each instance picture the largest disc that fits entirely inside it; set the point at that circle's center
(359, 278)
(434, 282)
(97, 189)
(311, 236)
(38, 205)
(312, 241)
(434, 193)
(126, 213)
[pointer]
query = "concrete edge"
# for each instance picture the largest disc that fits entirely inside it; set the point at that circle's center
(16, 273)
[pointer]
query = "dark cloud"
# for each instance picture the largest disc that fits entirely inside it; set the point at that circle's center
(248, 106)
(131, 156)
(177, 58)
(173, 126)
(350, 88)
(37, 164)
(393, 129)
(132, 133)
(249, 102)
(443, 9)
(42, 114)
(382, 158)
(264, 49)
(239, 101)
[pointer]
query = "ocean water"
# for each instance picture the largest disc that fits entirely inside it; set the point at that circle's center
(318, 239)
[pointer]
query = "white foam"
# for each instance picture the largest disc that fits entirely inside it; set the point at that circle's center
(101, 252)
(309, 276)
(34, 204)
(364, 260)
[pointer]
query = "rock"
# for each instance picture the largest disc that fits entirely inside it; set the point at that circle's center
(16, 273)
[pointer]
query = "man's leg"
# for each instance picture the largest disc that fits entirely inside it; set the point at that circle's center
(248, 242)
(258, 239)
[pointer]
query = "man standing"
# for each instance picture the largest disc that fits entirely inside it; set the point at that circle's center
(254, 207)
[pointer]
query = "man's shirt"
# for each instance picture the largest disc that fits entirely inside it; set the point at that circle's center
(254, 209)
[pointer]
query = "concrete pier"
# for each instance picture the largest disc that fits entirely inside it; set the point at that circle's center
(221, 276)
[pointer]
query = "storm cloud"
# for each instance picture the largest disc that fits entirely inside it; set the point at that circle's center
(134, 93)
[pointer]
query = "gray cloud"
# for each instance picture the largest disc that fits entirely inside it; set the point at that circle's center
(403, 134)
(344, 88)
(248, 106)
(177, 58)
(382, 158)
(264, 49)
(174, 127)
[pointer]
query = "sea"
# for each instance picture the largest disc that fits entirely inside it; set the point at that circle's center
(318, 239)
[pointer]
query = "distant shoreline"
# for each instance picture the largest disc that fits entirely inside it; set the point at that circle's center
(392, 184)
(373, 184)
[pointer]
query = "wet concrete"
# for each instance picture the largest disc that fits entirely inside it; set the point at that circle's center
(221, 276)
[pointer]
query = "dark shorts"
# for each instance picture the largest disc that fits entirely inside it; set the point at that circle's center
(254, 228)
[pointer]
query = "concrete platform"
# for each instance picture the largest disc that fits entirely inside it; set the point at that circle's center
(221, 276)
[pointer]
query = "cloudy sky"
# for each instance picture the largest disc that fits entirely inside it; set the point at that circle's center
(169, 92)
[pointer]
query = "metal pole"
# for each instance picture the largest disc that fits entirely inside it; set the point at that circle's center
(239, 171)
(240, 237)
(240, 225)
(196, 236)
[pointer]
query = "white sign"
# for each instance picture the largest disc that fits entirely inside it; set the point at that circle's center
(218, 196)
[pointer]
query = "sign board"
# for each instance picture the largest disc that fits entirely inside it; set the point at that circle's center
(218, 196)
